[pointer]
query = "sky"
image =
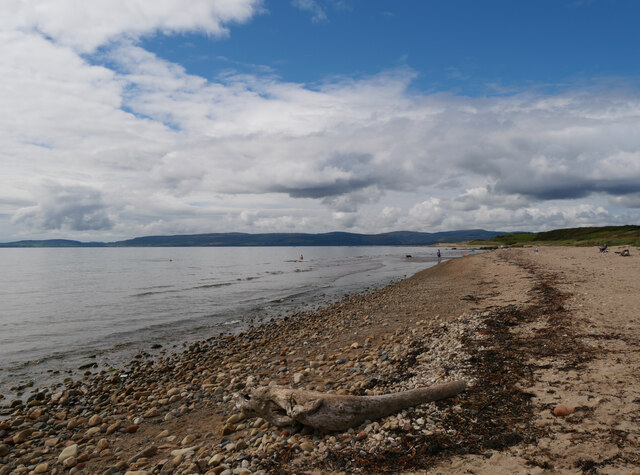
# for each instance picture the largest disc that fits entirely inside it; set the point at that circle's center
(124, 118)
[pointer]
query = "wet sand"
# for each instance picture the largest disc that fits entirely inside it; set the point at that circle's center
(527, 331)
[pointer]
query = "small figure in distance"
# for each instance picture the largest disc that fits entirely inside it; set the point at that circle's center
(439, 256)
(536, 250)
(301, 258)
(603, 248)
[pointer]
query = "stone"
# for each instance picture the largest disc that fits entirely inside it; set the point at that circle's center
(92, 431)
(41, 468)
(113, 427)
(147, 452)
(216, 460)
(153, 412)
(188, 439)
(22, 436)
(132, 429)
(95, 420)
(69, 462)
(237, 417)
(51, 442)
(562, 411)
(102, 444)
(181, 452)
(71, 451)
(4, 450)
(297, 378)
(308, 446)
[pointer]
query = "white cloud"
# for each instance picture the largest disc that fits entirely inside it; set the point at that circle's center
(427, 214)
(67, 208)
(145, 147)
(312, 6)
(84, 25)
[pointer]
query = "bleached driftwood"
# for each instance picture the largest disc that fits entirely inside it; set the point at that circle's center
(327, 412)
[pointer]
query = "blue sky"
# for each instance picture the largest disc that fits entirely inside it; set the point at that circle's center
(468, 47)
(123, 118)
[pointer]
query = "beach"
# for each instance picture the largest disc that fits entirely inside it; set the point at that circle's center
(528, 331)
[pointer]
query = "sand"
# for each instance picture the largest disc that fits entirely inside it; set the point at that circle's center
(529, 331)
(603, 304)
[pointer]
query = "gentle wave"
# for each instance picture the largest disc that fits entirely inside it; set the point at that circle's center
(210, 286)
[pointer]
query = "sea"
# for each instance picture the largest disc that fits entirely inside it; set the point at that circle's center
(63, 310)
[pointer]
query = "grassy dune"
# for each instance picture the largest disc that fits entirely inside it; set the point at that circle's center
(596, 236)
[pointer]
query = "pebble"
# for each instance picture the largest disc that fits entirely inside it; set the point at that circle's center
(95, 420)
(147, 452)
(41, 468)
(562, 411)
(216, 460)
(308, 446)
(113, 427)
(87, 421)
(102, 444)
(70, 451)
(153, 412)
(22, 436)
(237, 417)
(181, 452)
(70, 462)
(52, 442)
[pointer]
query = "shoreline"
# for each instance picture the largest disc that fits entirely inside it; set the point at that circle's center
(480, 318)
(38, 366)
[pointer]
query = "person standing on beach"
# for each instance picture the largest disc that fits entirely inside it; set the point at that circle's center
(439, 256)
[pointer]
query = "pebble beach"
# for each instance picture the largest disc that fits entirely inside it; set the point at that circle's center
(548, 343)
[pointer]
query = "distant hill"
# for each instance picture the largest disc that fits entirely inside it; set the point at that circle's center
(52, 243)
(590, 236)
(397, 238)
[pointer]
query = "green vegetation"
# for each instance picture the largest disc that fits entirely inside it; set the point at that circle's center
(611, 235)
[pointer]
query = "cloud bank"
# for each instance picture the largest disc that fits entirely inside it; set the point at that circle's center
(100, 138)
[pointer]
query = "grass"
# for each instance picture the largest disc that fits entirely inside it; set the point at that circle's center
(593, 236)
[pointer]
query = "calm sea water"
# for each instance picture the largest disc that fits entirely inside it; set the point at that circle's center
(64, 308)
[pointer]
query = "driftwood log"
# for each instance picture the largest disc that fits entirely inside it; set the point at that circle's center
(329, 412)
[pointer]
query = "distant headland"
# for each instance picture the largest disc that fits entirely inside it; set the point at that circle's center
(397, 238)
